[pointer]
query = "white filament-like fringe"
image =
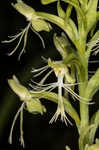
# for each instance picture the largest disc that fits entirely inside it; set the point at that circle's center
(20, 111)
(20, 35)
(60, 108)
(94, 61)
(47, 87)
(94, 46)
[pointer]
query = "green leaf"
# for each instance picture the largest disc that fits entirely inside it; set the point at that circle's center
(68, 11)
(93, 85)
(59, 22)
(45, 2)
(95, 122)
(79, 11)
(74, 28)
(60, 11)
(84, 138)
(91, 14)
(93, 30)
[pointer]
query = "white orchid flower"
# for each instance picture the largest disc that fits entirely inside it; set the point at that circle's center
(61, 72)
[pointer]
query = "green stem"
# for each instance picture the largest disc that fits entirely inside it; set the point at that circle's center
(83, 78)
(84, 111)
(84, 108)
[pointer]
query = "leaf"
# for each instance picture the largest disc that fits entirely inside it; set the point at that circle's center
(45, 2)
(93, 85)
(74, 28)
(91, 14)
(68, 11)
(59, 22)
(60, 11)
(79, 11)
(93, 30)
(95, 122)
(83, 139)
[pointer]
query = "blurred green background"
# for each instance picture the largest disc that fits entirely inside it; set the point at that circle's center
(38, 134)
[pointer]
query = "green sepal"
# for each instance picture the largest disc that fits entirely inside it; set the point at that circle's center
(41, 25)
(95, 122)
(34, 106)
(93, 85)
(24, 9)
(19, 89)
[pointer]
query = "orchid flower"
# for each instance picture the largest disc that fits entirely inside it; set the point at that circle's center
(32, 104)
(61, 73)
(36, 24)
